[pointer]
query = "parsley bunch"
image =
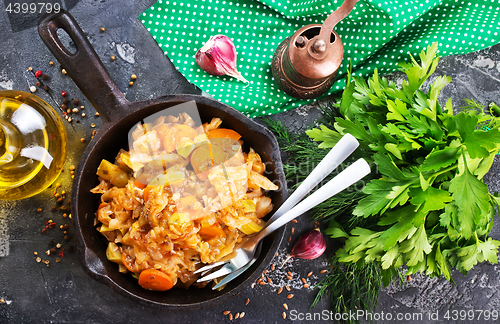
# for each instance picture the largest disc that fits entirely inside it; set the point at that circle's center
(432, 211)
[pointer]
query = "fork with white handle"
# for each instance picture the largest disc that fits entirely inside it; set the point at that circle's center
(247, 254)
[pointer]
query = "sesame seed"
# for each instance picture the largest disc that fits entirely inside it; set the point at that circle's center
(280, 290)
(310, 274)
(284, 315)
(322, 271)
(247, 301)
(285, 306)
(290, 296)
(226, 312)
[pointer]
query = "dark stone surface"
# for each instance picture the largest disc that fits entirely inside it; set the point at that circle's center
(63, 293)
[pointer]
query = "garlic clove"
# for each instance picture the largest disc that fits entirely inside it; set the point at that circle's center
(309, 246)
(218, 57)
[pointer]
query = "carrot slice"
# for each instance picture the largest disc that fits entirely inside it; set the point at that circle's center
(146, 192)
(153, 279)
(211, 231)
(139, 184)
(223, 133)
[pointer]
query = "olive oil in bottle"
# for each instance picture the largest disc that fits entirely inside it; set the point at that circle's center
(33, 144)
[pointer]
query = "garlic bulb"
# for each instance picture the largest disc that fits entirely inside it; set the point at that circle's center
(218, 57)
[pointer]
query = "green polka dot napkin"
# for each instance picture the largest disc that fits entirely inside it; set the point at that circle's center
(377, 34)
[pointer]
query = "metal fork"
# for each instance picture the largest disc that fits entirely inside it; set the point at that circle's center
(337, 155)
(247, 253)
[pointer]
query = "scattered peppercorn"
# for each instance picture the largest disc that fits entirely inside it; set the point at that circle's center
(133, 76)
(63, 93)
(46, 88)
(38, 84)
(131, 83)
(63, 71)
(68, 111)
(82, 107)
(51, 63)
(38, 74)
(65, 100)
(30, 68)
(39, 210)
(92, 125)
(45, 76)
(69, 119)
(96, 113)
(76, 102)
(102, 29)
(82, 140)
(75, 110)
(113, 57)
(66, 237)
(83, 115)
(64, 106)
(32, 88)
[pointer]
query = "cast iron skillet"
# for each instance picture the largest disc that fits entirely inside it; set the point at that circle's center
(118, 116)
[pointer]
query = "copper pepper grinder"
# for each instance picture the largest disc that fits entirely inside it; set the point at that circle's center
(305, 64)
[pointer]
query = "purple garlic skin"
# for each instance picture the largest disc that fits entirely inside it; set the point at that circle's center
(218, 57)
(309, 246)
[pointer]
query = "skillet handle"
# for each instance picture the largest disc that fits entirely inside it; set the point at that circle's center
(83, 66)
